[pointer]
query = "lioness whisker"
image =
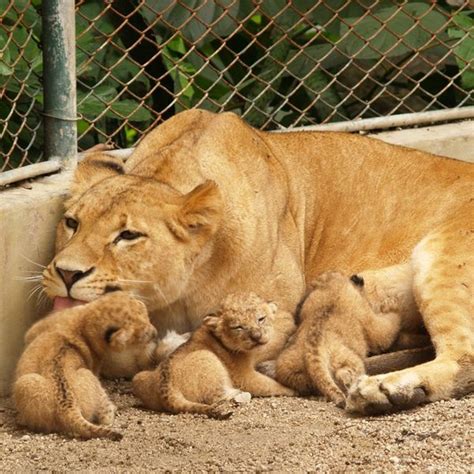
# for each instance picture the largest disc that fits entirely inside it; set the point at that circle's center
(42, 299)
(29, 278)
(36, 289)
(34, 272)
(174, 314)
(162, 294)
(120, 280)
(141, 298)
(33, 262)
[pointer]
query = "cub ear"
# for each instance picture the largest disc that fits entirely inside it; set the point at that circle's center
(200, 212)
(92, 169)
(211, 320)
(273, 307)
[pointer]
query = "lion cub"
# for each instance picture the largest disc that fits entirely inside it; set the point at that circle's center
(343, 320)
(216, 364)
(55, 388)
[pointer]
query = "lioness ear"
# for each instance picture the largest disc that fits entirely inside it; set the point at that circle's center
(200, 213)
(91, 170)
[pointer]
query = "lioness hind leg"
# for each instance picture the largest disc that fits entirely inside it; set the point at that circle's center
(443, 286)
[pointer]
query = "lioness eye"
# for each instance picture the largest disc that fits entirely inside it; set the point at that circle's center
(71, 223)
(128, 235)
(261, 320)
(237, 328)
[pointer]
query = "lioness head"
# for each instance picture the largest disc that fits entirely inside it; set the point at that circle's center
(124, 232)
(244, 321)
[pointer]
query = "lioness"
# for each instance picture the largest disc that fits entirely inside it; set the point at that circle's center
(207, 206)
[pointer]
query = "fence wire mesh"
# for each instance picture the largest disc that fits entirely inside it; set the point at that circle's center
(20, 84)
(276, 63)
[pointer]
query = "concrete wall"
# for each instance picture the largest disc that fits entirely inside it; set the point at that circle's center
(27, 222)
(28, 217)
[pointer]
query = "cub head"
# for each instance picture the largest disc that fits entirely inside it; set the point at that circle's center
(130, 233)
(244, 321)
(334, 292)
(116, 321)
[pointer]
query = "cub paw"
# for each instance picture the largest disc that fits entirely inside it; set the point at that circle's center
(107, 415)
(221, 410)
(242, 397)
(346, 377)
(121, 338)
(385, 394)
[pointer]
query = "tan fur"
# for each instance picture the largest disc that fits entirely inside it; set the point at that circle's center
(56, 388)
(216, 364)
(341, 323)
(226, 208)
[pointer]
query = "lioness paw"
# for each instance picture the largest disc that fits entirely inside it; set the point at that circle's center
(385, 393)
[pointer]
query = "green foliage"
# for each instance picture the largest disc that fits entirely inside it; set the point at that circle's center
(288, 56)
(462, 30)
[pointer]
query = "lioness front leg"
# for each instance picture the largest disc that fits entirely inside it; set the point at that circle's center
(443, 288)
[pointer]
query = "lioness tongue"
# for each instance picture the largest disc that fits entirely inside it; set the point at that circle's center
(61, 302)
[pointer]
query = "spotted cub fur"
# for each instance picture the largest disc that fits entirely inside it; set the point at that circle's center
(216, 364)
(342, 321)
(56, 388)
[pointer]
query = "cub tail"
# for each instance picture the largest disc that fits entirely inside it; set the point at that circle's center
(77, 426)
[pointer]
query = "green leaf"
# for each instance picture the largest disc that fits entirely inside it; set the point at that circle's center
(467, 79)
(391, 31)
(225, 14)
(301, 63)
(464, 51)
(463, 21)
(129, 110)
(5, 70)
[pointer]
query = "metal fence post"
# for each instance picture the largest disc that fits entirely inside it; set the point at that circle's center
(59, 76)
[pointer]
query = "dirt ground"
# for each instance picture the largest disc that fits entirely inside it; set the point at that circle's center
(278, 434)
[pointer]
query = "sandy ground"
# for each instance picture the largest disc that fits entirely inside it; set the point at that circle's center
(278, 434)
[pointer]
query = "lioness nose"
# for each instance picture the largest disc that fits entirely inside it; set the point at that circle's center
(70, 277)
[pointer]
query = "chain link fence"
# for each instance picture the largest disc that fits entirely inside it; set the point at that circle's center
(20, 84)
(277, 63)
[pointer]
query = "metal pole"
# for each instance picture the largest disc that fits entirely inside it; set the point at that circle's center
(59, 76)
(401, 120)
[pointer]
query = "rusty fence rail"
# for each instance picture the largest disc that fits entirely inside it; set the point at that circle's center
(277, 63)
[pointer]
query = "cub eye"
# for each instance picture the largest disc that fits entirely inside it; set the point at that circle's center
(71, 223)
(237, 328)
(128, 235)
(261, 320)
